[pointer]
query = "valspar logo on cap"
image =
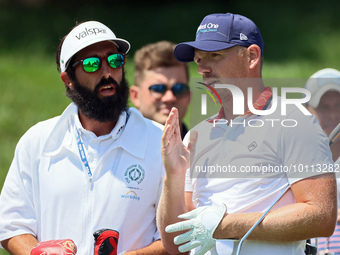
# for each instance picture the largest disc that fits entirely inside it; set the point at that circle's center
(90, 31)
(86, 34)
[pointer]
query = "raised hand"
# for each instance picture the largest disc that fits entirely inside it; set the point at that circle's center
(175, 155)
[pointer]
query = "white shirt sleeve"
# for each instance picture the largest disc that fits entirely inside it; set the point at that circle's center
(17, 214)
(305, 150)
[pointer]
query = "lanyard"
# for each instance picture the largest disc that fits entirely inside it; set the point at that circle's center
(82, 154)
(82, 151)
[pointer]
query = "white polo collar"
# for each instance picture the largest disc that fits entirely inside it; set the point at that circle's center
(114, 134)
(133, 136)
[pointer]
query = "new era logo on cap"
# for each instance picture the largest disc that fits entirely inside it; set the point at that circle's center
(243, 37)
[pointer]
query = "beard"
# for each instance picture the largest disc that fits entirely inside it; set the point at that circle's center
(103, 109)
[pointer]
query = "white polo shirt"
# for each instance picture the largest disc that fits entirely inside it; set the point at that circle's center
(232, 165)
(49, 194)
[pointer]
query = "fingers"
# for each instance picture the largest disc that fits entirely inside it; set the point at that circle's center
(195, 243)
(172, 118)
(173, 115)
(170, 127)
(192, 214)
(179, 226)
(189, 246)
(174, 121)
(178, 129)
(184, 238)
(166, 135)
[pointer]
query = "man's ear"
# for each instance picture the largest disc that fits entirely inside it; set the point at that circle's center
(134, 95)
(66, 79)
(254, 52)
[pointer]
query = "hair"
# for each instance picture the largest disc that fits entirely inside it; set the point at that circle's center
(153, 55)
(70, 71)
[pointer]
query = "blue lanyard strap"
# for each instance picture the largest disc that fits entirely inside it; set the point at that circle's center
(82, 154)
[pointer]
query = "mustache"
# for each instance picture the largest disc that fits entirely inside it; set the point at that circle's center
(106, 81)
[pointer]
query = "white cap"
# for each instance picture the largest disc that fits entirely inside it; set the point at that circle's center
(86, 34)
(320, 82)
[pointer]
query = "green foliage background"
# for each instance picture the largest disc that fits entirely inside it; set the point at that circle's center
(300, 37)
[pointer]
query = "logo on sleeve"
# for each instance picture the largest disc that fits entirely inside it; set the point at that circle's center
(134, 173)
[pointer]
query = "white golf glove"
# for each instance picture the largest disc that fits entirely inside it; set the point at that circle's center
(202, 223)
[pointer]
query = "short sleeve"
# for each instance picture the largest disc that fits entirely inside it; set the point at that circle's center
(17, 213)
(305, 150)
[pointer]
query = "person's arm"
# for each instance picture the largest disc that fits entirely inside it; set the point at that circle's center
(20, 245)
(176, 159)
(156, 248)
(313, 215)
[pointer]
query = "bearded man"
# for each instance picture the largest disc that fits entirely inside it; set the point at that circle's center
(95, 167)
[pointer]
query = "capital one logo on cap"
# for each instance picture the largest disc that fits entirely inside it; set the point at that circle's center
(90, 31)
(209, 27)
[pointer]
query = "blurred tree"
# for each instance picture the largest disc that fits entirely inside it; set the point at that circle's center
(292, 30)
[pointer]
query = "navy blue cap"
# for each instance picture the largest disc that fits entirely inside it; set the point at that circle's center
(218, 32)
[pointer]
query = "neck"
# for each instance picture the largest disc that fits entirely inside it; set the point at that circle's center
(97, 127)
(257, 86)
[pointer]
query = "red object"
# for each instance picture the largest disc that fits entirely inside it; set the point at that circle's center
(106, 242)
(55, 247)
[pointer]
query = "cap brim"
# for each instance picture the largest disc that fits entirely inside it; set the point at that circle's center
(123, 45)
(315, 99)
(185, 52)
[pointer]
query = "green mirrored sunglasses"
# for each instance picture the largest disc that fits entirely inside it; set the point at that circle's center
(92, 64)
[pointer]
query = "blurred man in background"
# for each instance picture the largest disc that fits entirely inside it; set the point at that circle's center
(161, 82)
(324, 86)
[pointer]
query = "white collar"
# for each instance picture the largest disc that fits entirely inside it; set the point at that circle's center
(133, 137)
(115, 132)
